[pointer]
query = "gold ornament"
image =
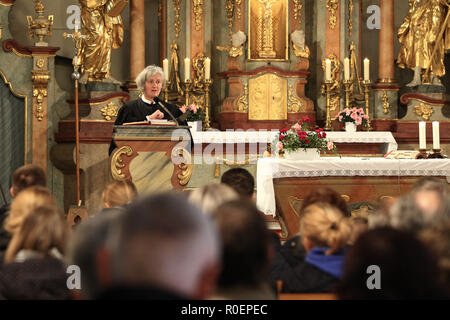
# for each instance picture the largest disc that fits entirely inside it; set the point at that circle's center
(424, 111)
(332, 6)
(109, 111)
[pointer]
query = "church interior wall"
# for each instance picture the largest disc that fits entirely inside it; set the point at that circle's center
(61, 87)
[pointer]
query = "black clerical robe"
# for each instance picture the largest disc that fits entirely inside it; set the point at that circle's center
(138, 110)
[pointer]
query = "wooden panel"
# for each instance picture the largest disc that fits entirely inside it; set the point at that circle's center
(358, 189)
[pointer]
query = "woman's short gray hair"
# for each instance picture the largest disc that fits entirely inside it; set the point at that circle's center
(148, 72)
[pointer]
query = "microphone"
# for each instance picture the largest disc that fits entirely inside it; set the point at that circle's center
(158, 101)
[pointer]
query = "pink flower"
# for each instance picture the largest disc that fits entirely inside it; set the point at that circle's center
(279, 145)
(358, 121)
(366, 117)
(340, 118)
(354, 116)
(330, 145)
(297, 127)
(354, 110)
(347, 112)
(361, 111)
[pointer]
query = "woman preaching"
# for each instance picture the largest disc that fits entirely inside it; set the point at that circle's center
(150, 82)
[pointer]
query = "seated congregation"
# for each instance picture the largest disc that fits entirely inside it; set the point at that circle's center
(213, 243)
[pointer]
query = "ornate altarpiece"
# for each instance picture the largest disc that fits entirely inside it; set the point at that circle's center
(260, 95)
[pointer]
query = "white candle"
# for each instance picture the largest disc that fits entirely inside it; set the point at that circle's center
(422, 135)
(166, 69)
(328, 70)
(207, 68)
(366, 69)
(346, 69)
(187, 69)
(436, 142)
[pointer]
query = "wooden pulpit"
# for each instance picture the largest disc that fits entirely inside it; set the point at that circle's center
(155, 158)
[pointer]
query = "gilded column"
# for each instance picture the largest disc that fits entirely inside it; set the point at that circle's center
(137, 40)
(40, 76)
(197, 29)
(333, 44)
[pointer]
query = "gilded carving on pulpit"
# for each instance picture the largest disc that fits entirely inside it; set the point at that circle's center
(418, 36)
(268, 33)
(267, 98)
(103, 27)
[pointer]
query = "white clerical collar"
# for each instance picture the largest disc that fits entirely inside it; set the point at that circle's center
(146, 100)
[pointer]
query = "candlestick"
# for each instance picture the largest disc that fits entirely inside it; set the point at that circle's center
(207, 124)
(166, 69)
(346, 69)
(187, 69)
(422, 135)
(328, 85)
(207, 68)
(366, 69)
(436, 142)
(367, 86)
(327, 70)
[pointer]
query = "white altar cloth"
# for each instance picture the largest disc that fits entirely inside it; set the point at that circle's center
(270, 168)
(262, 136)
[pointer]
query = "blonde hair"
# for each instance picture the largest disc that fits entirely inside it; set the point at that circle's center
(24, 203)
(211, 196)
(41, 231)
(324, 225)
(119, 193)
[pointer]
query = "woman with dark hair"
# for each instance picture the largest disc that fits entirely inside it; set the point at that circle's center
(406, 268)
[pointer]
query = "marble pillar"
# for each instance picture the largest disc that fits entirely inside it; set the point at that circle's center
(137, 40)
(386, 88)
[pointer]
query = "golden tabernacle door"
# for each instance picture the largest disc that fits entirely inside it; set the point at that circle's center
(267, 98)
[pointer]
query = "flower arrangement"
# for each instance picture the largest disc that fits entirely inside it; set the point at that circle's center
(299, 136)
(355, 115)
(195, 113)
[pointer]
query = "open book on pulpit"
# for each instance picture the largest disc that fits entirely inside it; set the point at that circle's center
(158, 122)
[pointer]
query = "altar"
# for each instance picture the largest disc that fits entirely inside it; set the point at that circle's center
(282, 184)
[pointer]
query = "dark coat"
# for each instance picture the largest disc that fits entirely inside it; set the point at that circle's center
(138, 110)
(34, 279)
(298, 276)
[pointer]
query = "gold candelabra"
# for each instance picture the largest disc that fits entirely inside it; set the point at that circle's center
(367, 85)
(187, 84)
(328, 91)
(348, 90)
(208, 83)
